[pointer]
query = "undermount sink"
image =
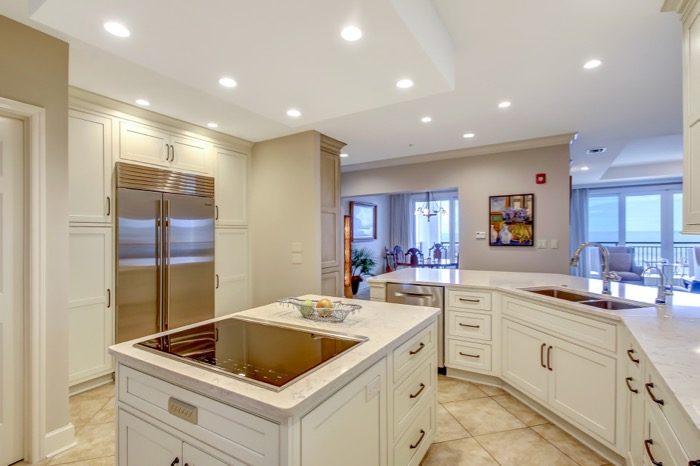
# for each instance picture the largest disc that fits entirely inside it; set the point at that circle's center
(585, 299)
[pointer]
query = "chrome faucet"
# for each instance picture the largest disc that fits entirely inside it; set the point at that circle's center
(607, 274)
(661, 289)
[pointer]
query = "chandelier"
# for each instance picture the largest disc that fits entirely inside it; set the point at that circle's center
(430, 209)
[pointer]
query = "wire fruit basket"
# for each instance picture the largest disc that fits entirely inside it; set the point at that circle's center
(308, 310)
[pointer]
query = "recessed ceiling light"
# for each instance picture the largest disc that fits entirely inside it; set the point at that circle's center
(143, 102)
(212, 124)
(351, 33)
(584, 168)
(404, 83)
(590, 64)
(294, 113)
(504, 104)
(426, 119)
(596, 150)
(116, 29)
(344, 154)
(468, 135)
(228, 82)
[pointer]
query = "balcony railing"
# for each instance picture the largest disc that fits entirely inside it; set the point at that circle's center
(645, 253)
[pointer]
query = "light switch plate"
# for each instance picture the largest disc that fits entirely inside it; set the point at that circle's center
(296, 258)
(541, 244)
(480, 235)
(296, 247)
(554, 244)
(182, 410)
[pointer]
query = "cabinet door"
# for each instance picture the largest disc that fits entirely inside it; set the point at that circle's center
(195, 457)
(231, 188)
(330, 211)
(349, 428)
(329, 283)
(89, 168)
(523, 356)
(634, 424)
(144, 144)
(691, 120)
(582, 387)
(91, 303)
(232, 271)
(142, 444)
(190, 155)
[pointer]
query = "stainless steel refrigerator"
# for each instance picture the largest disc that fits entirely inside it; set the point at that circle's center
(165, 250)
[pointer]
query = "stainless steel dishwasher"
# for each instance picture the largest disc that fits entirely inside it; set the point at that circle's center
(422, 295)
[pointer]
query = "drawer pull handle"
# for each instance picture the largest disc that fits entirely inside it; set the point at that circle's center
(109, 206)
(175, 461)
(417, 394)
(549, 358)
(542, 355)
(647, 445)
(469, 300)
(630, 352)
(420, 348)
(470, 355)
(415, 445)
(109, 298)
(470, 326)
(627, 381)
(649, 386)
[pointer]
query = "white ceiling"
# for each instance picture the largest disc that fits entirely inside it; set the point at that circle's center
(464, 56)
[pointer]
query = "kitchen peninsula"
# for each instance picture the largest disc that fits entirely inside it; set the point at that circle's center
(373, 403)
(617, 372)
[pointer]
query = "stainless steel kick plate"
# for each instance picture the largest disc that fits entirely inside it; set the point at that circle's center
(182, 410)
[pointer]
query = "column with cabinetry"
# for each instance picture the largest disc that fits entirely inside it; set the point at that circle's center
(91, 207)
(232, 241)
(331, 221)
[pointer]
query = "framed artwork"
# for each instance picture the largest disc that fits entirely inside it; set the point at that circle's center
(512, 220)
(363, 219)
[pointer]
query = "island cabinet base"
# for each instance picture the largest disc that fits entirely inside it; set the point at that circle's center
(384, 416)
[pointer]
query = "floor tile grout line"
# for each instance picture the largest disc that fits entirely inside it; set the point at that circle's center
(555, 446)
(487, 451)
(457, 420)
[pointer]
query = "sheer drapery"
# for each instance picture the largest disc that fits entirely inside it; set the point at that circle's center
(579, 228)
(400, 227)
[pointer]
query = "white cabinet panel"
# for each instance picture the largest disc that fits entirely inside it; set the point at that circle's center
(89, 167)
(142, 444)
(232, 271)
(582, 386)
(350, 427)
(195, 457)
(523, 362)
(691, 120)
(91, 303)
(231, 188)
(329, 283)
(189, 155)
(145, 144)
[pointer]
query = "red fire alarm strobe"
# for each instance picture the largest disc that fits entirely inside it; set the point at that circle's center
(541, 178)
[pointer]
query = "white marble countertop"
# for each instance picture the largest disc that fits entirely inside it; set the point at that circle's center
(383, 324)
(668, 335)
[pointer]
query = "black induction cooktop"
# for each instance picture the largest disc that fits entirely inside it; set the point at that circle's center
(268, 354)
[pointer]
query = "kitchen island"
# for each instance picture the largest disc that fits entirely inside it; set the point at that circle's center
(372, 404)
(618, 372)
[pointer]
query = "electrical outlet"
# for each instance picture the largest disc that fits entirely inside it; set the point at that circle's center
(296, 258)
(296, 247)
(480, 235)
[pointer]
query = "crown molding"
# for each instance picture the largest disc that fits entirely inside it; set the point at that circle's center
(679, 6)
(512, 146)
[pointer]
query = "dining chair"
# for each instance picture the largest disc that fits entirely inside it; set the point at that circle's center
(414, 256)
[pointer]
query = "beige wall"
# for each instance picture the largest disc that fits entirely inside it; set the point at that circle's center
(477, 178)
(376, 246)
(285, 208)
(34, 70)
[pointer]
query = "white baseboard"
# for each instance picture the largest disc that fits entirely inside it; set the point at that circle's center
(59, 440)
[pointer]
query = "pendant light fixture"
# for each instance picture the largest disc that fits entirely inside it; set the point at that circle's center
(430, 209)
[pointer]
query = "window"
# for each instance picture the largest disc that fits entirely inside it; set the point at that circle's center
(603, 219)
(643, 219)
(441, 228)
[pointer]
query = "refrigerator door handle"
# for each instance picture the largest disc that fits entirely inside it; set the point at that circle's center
(159, 263)
(166, 254)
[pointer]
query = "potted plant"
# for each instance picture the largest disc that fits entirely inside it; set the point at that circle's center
(362, 263)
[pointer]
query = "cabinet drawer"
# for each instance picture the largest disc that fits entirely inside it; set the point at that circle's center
(569, 326)
(411, 395)
(411, 354)
(249, 438)
(468, 355)
(466, 299)
(469, 325)
(660, 442)
(413, 444)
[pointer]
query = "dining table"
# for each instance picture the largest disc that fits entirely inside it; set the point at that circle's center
(431, 263)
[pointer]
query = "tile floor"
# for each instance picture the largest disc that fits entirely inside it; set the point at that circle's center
(477, 425)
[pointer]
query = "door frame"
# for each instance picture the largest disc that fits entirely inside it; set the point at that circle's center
(35, 285)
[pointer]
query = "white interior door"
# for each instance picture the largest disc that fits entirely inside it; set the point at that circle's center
(11, 289)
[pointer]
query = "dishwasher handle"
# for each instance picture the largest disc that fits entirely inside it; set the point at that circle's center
(412, 295)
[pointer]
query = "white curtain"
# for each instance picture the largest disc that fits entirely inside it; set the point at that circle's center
(400, 224)
(579, 228)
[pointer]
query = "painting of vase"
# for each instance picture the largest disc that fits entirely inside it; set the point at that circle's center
(512, 220)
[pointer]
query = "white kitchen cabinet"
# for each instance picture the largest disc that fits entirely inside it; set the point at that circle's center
(153, 146)
(89, 168)
(142, 444)
(195, 457)
(331, 218)
(231, 188)
(355, 415)
(633, 389)
(90, 303)
(232, 271)
(523, 359)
